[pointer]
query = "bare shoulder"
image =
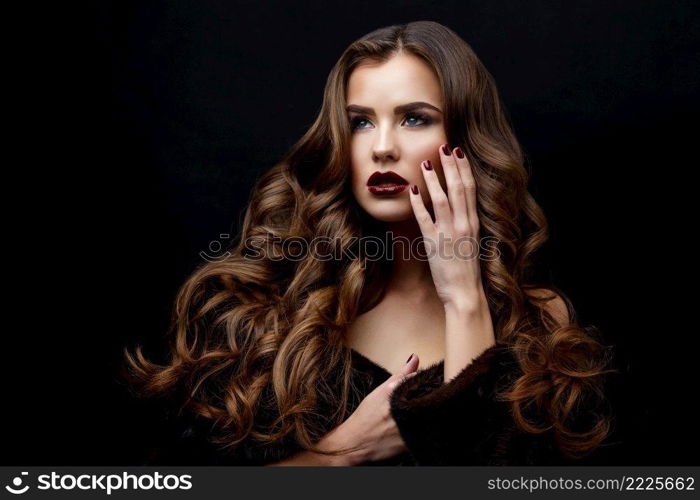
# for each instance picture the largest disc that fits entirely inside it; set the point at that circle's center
(553, 304)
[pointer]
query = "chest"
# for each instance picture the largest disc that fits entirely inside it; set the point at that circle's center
(389, 333)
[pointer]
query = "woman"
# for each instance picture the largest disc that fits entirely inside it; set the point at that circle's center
(283, 356)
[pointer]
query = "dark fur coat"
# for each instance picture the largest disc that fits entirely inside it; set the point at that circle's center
(458, 423)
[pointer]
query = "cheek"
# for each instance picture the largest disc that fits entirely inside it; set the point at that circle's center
(355, 167)
(425, 144)
(425, 149)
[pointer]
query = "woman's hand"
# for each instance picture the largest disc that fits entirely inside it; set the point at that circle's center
(453, 250)
(371, 426)
(452, 241)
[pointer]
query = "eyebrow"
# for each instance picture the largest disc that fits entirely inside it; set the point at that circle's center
(404, 108)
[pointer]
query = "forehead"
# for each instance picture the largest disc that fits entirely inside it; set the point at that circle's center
(403, 78)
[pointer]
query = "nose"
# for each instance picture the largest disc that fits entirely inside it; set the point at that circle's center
(385, 147)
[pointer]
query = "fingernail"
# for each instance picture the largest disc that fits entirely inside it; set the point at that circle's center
(409, 358)
(428, 165)
(446, 150)
(459, 153)
(414, 188)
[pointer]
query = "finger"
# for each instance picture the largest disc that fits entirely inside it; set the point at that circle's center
(455, 189)
(441, 206)
(411, 365)
(425, 221)
(466, 172)
(407, 371)
(400, 380)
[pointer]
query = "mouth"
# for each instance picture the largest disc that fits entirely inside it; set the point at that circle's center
(384, 183)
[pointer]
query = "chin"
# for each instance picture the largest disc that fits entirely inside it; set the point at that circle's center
(395, 213)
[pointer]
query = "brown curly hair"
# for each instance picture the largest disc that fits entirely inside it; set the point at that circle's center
(242, 323)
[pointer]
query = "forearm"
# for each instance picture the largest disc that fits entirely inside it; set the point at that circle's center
(468, 333)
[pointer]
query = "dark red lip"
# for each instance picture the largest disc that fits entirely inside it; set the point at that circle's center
(386, 178)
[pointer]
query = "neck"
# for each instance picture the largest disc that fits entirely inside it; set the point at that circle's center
(409, 274)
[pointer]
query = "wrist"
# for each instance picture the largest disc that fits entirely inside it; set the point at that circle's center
(336, 440)
(467, 304)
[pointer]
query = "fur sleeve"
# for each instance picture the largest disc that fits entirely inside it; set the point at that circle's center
(462, 422)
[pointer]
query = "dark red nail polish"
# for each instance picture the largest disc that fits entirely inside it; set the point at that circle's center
(414, 188)
(428, 165)
(459, 153)
(409, 358)
(446, 150)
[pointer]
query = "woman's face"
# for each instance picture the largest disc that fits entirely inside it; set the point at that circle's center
(389, 138)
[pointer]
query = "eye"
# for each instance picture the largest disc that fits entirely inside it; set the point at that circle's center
(424, 118)
(355, 121)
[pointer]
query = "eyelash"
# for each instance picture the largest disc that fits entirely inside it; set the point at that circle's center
(425, 118)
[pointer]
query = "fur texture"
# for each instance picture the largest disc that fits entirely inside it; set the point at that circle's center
(458, 423)
(462, 422)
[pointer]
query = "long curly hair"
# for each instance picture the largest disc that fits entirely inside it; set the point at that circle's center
(254, 319)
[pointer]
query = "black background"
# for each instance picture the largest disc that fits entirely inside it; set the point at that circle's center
(162, 114)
